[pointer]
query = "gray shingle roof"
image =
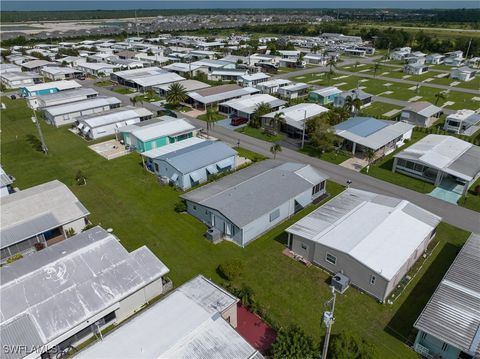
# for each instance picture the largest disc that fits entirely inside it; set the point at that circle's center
(453, 312)
(254, 191)
(197, 156)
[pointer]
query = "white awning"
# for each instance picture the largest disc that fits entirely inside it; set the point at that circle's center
(174, 177)
(80, 126)
(212, 169)
(86, 129)
(224, 164)
(302, 201)
(130, 122)
(195, 176)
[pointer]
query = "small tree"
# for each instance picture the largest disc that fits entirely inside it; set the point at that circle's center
(70, 232)
(440, 96)
(231, 269)
(352, 104)
(376, 67)
(293, 343)
(274, 149)
(80, 178)
(176, 93)
(180, 206)
(348, 346)
(261, 109)
(369, 155)
(133, 100)
(322, 136)
(210, 117)
(275, 121)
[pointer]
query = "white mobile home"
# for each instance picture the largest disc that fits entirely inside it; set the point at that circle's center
(370, 238)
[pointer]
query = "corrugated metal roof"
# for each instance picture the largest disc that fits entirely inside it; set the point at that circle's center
(59, 85)
(36, 210)
(115, 115)
(21, 336)
(157, 152)
(378, 231)
(49, 288)
(64, 95)
(168, 127)
(197, 156)
(88, 104)
(249, 104)
(254, 191)
(185, 326)
(160, 79)
(218, 94)
(453, 313)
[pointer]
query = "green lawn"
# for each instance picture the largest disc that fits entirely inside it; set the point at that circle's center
(104, 83)
(472, 200)
(216, 117)
(286, 70)
(124, 90)
(333, 157)
(121, 195)
(260, 134)
(253, 156)
(379, 109)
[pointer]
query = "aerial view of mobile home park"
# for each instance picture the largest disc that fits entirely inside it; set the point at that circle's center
(240, 180)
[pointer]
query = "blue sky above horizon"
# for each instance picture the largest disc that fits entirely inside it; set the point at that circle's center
(52, 5)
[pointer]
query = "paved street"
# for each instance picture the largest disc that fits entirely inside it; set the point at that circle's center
(452, 214)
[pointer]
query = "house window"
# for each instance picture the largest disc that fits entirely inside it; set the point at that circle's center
(156, 167)
(274, 215)
(444, 347)
(331, 259)
(424, 335)
(304, 246)
(194, 207)
(318, 188)
(372, 279)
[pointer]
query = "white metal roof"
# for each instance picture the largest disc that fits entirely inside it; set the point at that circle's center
(37, 209)
(255, 76)
(168, 127)
(183, 327)
(159, 79)
(56, 70)
(60, 85)
(328, 91)
(83, 105)
(378, 231)
(248, 104)
(295, 115)
(189, 85)
(116, 115)
(68, 283)
(159, 151)
(445, 153)
(274, 83)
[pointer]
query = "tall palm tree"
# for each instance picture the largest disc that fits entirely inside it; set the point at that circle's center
(176, 93)
(440, 96)
(331, 65)
(356, 64)
(352, 104)
(274, 149)
(376, 66)
(276, 120)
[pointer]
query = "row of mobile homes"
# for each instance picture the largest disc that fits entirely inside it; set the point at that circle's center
(13, 79)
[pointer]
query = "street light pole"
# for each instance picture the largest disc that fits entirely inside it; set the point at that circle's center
(303, 129)
(40, 133)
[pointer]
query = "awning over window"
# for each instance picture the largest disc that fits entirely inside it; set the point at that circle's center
(195, 176)
(303, 201)
(224, 164)
(212, 169)
(80, 126)
(174, 177)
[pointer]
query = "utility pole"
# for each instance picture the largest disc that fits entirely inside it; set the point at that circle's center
(328, 320)
(40, 134)
(303, 129)
(468, 49)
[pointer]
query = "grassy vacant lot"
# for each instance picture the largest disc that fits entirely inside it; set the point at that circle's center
(333, 157)
(379, 109)
(260, 134)
(216, 117)
(122, 196)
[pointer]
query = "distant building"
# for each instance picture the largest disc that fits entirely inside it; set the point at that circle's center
(39, 216)
(449, 325)
(65, 294)
(213, 96)
(294, 91)
(67, 113)
(415, 68)
(463, 74)
(434, 59)
(6, 182)
(13, 79)
(365, 98)
(49, 87)
(63, 97)
(252, 80)
(370, 238)
(246, 106)
(55, 73)
(421, 114)
(196, 320)
(243, 205)
(325, 95)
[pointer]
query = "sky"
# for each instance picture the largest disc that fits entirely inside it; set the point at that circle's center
(40, 5)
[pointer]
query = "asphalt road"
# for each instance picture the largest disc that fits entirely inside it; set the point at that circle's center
(452, 214)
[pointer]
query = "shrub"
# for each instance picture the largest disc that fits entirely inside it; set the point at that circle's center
(87, 227)
(293, 343)
(70, 232)
(14, 258)
(180, 206)
(39, 246)
(230, 270)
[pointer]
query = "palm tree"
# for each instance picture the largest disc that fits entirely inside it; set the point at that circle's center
(176, 93)
(331, 64)
(276, 120)
(274, 149)
(352, 104)
(210, 117)
(262, 109)
(369, 155)
(356, 64)
(440, 96)
(133, 100)
(376, 66)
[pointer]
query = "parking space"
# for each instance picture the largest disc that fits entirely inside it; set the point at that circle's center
(226, 123)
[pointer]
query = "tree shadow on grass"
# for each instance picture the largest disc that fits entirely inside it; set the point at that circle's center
(282, 238)
(35, 143)
(401, 325)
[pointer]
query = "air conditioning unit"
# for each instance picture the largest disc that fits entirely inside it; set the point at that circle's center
(340, 282)
(214, 235)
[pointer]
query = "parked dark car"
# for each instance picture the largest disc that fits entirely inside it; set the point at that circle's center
(237, 121)
(13, 97)
(81, 77)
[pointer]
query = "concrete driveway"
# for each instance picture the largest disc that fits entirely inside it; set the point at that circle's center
(355, 164)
